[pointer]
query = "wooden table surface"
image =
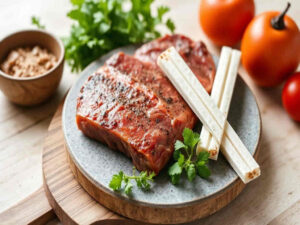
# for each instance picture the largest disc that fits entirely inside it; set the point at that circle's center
(274, 198)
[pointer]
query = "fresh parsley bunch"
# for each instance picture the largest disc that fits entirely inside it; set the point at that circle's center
(103, 25)
(141, 181)
(186, 160)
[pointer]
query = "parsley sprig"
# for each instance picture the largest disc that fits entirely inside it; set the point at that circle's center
(186, 160)
(36, 21)
(142, 181)
(103, 25)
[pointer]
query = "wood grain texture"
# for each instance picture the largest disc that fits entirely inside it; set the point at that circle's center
(64, 193)
(22, 133)
(67, 197)
(34, 210)
(289, 214)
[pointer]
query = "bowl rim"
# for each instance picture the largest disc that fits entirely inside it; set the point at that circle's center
(58, 63)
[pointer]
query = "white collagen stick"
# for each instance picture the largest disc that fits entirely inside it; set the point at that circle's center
(226, 97)
(216, 96)
(241, 149)
(235, 160)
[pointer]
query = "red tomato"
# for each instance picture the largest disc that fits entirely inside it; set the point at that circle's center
(291, 96)
(271, 48)
(224, 21)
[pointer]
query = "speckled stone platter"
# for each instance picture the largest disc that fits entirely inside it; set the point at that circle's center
(98, 163)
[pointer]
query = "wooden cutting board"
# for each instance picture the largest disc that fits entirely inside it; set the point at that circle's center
(73, 205)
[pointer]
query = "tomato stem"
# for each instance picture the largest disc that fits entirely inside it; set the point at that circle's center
(278, 22)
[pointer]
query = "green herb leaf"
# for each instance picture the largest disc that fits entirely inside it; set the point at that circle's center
(116, 181)
(175, 172)
(146, 185)
(203, 156)
(170, 24)
(176, 154)
(175, 169)
(175, 178)
(179, 145)
(139, 183)
(77, 2)
(187, 161)
(181, 159)
(151, 176)
(162, 10)
(128, 188)
(203, 170)
(190, 138)
(36, 21)
(191, 172)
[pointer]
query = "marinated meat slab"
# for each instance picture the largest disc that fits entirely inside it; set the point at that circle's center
(132, 107)
(195, 54)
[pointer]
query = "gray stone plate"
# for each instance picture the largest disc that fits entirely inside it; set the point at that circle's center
(98, 163)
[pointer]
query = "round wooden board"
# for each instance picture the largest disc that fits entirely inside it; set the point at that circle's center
(73, 205)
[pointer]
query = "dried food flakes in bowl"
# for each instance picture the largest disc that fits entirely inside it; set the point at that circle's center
(28, 62)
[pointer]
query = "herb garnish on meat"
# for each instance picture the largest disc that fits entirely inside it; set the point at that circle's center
(185, 158)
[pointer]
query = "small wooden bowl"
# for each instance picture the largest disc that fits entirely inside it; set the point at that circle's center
(32, 90)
